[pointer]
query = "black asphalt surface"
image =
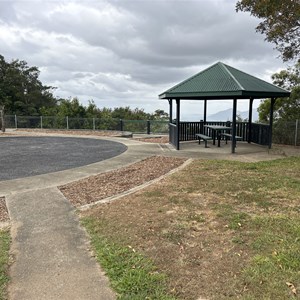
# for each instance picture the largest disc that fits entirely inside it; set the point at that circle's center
(29, 156)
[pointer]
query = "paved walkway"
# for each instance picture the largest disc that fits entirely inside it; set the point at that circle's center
(52, 260)
(51, 251)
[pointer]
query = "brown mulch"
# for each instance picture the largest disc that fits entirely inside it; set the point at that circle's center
(75, 132)
(160, 140)
(4, 216)
(4, 134)
(111, 183)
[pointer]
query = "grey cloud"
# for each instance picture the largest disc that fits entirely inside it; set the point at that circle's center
(130, 51)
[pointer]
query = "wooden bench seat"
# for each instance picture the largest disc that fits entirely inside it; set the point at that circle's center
(229, 136)
(203, 137)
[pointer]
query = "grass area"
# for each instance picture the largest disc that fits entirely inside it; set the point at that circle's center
(131, 275)
(4, 259)
(217, 230)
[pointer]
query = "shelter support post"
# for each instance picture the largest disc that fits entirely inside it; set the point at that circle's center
(273, 100)
(233, 144)
(250, 120)
(205, 111)
(170, 110)
(177, 122)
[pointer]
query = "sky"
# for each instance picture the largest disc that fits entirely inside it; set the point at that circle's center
(127, 52)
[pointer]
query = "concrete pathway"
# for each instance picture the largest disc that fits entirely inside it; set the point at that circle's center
(51, 251)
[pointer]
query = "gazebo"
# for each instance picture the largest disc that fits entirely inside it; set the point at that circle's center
(218, 82)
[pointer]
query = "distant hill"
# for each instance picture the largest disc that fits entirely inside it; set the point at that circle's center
(226, 115)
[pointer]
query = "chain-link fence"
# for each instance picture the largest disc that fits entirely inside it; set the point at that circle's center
(287, 133)
(283, 132)
(43, 122)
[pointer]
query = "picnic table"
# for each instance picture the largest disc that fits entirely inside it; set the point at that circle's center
(216, 132)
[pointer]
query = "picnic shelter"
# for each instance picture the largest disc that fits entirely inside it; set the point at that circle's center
(222, 82)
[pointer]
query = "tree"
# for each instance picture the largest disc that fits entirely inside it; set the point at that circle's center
(285, 109)
(21, 91)
(160, 114)
(281, 23)
(130, 114)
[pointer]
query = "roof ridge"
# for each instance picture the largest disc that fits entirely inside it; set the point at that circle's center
(272, 84)
(230, 74)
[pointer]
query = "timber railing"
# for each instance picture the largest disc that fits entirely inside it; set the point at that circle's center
(189, 129)
(260, 133)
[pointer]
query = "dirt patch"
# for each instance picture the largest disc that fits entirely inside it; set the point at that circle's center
(180, 233)
(5, 134)
(160, 139)
(95, 188)
(4, 216)
(75, 132)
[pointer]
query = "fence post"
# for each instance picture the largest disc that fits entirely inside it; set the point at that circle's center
(16, 122)
(67, 118)
(41, 122)
(148, 127)
(94, 125)
(2, 119)
(296, 132)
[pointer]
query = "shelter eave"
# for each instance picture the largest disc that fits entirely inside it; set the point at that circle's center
(224, 95)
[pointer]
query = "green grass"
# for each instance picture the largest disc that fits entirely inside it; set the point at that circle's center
(4, 260)
(131, 275)
(277, 258)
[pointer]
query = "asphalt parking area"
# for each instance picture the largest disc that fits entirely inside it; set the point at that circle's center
(30, 156)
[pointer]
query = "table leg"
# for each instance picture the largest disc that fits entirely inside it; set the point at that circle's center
(214, 137)
(219, 139)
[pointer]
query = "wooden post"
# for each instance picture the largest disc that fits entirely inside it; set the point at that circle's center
(177, 122)
(250, 120)
(233, 144)
(271, 121)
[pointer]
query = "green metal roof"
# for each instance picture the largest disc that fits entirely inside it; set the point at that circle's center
(221, 81)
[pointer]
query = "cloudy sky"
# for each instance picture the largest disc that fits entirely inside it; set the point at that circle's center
(126, 52)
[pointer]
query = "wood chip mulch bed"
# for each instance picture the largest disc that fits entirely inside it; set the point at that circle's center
(95, 188)
(4, 216)
(75, 132)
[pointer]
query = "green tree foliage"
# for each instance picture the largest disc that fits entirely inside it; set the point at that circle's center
(21, 92)
(286, 109)
(280, 23)
(130, 114)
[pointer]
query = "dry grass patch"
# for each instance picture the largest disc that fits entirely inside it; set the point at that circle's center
(218, 229)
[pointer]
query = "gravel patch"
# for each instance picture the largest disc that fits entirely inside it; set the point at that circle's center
(75, 132)
(160, 140)
(4, 216)
(95, 188)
